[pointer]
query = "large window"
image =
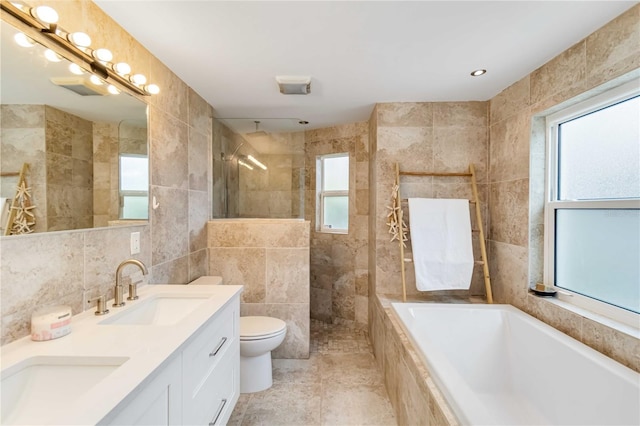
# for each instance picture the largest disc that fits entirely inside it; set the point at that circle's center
(592, 211)
(134, 186)
(332, 193)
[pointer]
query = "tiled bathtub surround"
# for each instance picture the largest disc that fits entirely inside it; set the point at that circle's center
(270, 257)
(56, 267)
(339, 262)
(414, 396)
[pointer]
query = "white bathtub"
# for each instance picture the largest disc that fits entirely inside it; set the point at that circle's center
(498, 365)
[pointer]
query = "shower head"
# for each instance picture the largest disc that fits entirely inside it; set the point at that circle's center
(257, 133)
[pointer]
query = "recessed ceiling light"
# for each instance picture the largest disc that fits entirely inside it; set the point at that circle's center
(478, 73)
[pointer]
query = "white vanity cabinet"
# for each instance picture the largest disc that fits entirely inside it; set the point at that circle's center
(211, 370)
(199, 386)
(158, 402)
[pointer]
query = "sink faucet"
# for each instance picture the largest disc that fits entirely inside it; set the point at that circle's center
(118, 291)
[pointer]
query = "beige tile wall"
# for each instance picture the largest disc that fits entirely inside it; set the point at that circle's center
(340, 262)
(606, 58)
(442, 136)
(65, 267)
(23, 140)
(69, 152)
(270, 257)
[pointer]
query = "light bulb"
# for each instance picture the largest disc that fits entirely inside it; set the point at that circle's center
(122, 68)
(23, 40)
(52, 56)
(138, 79)
(152, 89)
(45, 14)
(79, 39)
(95, 80)
(256, 162)
(76, 69)
(242, 163)
(113, 89)
(103, 55)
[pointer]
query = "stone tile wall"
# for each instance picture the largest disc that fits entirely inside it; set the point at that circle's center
(23, 140)
(441, 136)
(69, 169)
(105, 173)
(60, 267)
(606, 58)
(270, 257)
(340, 262)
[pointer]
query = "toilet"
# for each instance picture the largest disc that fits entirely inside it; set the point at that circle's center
(258, 337)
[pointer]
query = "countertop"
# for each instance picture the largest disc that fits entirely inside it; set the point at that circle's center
(148, 347)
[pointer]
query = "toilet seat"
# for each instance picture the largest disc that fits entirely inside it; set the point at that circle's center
(259, 328)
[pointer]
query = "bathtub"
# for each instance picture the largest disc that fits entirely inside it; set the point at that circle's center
(498, 365)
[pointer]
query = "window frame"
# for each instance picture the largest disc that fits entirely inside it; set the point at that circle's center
(552, 204)
(321, 194)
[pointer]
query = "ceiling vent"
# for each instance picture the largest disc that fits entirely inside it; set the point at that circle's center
(80, 85)
(294, 85)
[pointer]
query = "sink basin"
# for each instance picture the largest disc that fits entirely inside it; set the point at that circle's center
(158, 310)
(35, 387)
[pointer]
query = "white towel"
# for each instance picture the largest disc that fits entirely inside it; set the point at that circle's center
(440, 232)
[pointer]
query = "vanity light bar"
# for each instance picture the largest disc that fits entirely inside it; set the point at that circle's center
(42, 23)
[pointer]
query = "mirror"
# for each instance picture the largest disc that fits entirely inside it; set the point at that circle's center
(86, 149)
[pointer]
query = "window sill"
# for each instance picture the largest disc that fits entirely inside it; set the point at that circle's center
(601, 319)
(330, 231)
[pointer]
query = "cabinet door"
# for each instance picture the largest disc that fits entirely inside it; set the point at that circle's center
(158, 403)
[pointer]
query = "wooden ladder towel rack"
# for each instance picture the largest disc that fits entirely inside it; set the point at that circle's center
(480, 230)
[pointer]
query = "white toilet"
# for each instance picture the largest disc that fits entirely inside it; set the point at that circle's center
(258, 337)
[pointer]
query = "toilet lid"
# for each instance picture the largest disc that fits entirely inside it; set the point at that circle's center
(256, 327)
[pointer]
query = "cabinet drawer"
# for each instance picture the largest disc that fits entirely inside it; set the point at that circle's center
(205, 351)
(214, 401)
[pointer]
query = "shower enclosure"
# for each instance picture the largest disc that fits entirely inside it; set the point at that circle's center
(258, 168)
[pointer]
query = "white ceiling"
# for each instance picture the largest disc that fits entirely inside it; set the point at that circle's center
(358, 53)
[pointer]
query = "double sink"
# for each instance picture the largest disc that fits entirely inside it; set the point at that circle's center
(33, 386)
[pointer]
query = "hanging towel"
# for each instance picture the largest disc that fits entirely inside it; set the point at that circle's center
(440, 232)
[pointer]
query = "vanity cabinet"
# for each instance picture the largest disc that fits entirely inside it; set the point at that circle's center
(211, 370)
(158, 402)
(199, 386)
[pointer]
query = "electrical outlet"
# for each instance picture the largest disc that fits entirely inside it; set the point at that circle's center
(135, 242)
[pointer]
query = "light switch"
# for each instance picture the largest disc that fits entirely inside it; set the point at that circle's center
(135, 242)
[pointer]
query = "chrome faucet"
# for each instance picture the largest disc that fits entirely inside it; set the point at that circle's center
(118, 291)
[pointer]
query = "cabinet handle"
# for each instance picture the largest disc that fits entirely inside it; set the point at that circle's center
(217, 349)
(215, 419)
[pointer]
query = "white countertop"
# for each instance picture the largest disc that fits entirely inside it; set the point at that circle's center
(147, 346)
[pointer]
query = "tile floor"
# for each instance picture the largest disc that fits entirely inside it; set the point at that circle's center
(339, 385)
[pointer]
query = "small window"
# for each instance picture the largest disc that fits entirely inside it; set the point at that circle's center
(592, 210)
(333, 193)
(134, 186)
